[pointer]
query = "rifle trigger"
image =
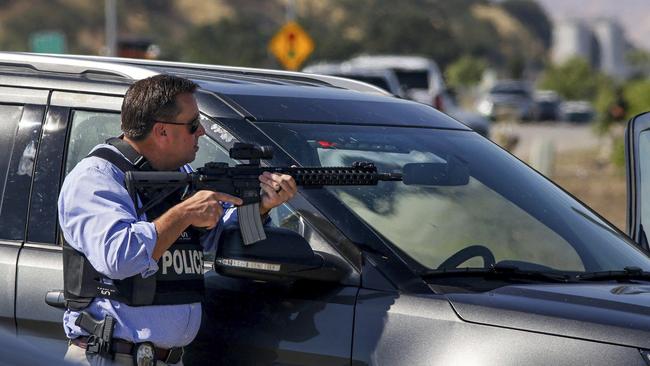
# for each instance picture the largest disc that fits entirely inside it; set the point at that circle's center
(186, 193)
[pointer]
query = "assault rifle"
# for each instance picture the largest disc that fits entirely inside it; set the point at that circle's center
(242, 181)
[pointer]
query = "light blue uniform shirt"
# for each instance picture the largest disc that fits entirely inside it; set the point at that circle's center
(98, 218)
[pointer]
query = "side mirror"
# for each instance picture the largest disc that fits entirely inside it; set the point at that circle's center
(284, 256)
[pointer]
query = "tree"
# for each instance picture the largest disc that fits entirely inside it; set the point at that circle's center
(573, 80)
(48, 15)
(378, 26)
(639, 62)
(636, 94)
(237, 41)
(465, 72)
(520, 50)
(605, 98)
(533, 17)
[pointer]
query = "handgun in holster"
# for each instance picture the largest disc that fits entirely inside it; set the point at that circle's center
(101, 333)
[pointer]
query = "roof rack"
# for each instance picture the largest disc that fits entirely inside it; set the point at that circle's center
(331, 80)
(68, 65)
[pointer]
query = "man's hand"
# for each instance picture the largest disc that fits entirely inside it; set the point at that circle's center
(278, 189)
(204, 209)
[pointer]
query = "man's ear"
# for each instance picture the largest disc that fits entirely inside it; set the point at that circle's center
(158, 130)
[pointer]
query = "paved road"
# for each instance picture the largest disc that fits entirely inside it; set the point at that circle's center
(565, 136)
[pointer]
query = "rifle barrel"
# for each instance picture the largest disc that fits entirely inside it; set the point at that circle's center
(335, 176)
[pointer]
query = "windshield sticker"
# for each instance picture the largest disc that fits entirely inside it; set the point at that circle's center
(223, 134)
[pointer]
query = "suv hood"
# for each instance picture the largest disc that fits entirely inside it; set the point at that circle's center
(611, 313)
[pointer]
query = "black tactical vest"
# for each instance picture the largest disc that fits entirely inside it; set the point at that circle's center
(179, 279)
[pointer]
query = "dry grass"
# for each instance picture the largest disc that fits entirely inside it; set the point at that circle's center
(579, 166)
(599, 185)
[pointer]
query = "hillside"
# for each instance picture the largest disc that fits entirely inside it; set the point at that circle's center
(237, 32)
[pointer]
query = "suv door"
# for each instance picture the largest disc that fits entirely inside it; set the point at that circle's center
(637, 154)
(21, 116)
(40, 266)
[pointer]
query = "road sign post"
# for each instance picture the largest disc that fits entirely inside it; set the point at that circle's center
(291, 45)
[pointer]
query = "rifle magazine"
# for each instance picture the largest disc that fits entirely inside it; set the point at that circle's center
(250, 223)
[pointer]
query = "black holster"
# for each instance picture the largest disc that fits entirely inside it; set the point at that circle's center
(101, 333)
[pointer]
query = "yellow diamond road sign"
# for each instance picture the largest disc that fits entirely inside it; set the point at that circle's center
(291, 45)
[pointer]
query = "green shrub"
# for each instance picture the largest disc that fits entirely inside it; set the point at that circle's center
(618, 153)
(637, 95)
(464, 72)
(573, 80)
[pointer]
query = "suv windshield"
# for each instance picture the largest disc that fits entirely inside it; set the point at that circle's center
(519, 216)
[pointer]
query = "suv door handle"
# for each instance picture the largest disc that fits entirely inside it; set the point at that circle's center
(55, 298)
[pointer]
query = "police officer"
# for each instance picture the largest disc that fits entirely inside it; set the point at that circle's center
(134, 282)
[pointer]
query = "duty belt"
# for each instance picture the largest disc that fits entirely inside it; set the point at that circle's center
(168, 356)
(101, 342)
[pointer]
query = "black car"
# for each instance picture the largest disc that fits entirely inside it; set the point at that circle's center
(472, 259)
(547, 105)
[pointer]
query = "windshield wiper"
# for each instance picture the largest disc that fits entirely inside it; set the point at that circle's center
(628, 273)
(498, 272)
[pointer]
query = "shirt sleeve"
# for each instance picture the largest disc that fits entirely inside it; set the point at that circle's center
(98, 218)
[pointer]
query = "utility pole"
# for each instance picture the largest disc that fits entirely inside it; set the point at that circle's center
(110, 14)
(291, 10)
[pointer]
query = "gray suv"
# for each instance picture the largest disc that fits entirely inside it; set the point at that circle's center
(491, 264)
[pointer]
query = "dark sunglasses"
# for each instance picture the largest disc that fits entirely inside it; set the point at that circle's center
(193, 125)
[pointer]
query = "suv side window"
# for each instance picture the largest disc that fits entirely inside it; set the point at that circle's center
(89, 128)
(64, 109)
(10, 115)
(210, 150)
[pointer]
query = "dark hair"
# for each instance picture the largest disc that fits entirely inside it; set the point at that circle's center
(152, 99)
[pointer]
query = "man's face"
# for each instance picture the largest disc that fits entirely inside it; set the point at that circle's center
(182, 145)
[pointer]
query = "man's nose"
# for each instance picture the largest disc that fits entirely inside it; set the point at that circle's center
(200, 131)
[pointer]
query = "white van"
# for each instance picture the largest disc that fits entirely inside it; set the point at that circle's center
(422, 81)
